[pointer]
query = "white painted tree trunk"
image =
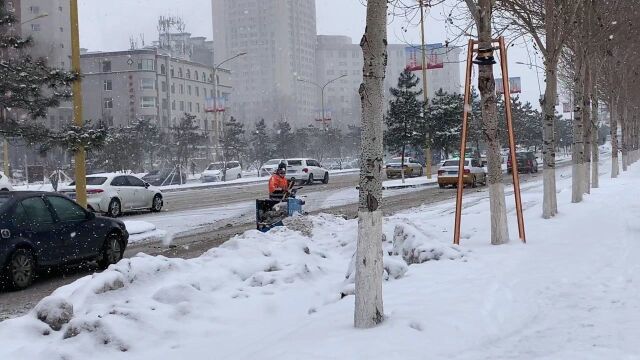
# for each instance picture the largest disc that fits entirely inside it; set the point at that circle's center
(595, 151)
(549, 203)
(624, 121)
(577, 155)
(586, 128)
(369, 268)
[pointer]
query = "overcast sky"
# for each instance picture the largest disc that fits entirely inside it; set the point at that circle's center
(109, 27)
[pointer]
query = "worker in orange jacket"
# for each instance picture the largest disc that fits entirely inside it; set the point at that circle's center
(278, 183)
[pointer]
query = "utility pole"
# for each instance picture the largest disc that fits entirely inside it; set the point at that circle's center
(427, 150)
(80, 155)
(322, 88)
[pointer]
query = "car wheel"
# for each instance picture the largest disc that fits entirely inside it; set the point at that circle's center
(156, 205)
(310, 180)
(4, 189)
(111, 251)
(21, 269)
(115, 208)
(239, 176)
(325, 180)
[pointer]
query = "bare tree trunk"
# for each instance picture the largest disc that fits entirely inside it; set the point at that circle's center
(586, 120)
(595, 151)
(369, 267)
(549, 203)
(402, 162)
(613, 124)
(488, 102)
(577, 169)
(624, 123)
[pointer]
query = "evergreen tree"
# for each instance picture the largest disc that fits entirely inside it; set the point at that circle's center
(233, 142)
(29, 86)
(303, 141)
(283, 139)
(352, 140)
(261, 145)
(444, 118)
(404, 118)
(186, 137)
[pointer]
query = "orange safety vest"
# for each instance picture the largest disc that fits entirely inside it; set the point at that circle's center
(277, 183)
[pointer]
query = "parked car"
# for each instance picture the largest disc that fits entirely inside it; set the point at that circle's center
(214, 172)
(526, 160)
(165, 177)
(41, 229)
(307, 171)
(5, 183)
(411, 167)
(473, 173)
(113, 194)
(270, 166)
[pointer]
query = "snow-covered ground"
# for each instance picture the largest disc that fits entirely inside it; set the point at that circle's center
(570, 293)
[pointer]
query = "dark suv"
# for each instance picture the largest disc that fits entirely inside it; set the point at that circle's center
(40, 229)
(526, 160)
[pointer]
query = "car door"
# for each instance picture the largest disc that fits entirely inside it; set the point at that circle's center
(79, 237)
(125, 192)
(34, 222)
(142, 195)
(314, 166)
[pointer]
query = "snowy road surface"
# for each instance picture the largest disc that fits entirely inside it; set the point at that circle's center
(570, 293)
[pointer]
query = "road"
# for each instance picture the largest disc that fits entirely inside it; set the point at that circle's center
(192, 245)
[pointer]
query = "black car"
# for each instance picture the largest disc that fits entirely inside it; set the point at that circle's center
(526, 161)
(41, 229)
(165, 177)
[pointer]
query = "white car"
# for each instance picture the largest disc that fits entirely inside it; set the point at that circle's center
(473, 173)
(214, 172)
(307, 171)
(5, 183)
(113, 194)
(270, 166)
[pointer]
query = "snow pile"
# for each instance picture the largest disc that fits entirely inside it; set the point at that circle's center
(143, 231)
(570, 293)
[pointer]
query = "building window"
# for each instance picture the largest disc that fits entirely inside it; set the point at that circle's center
(171, 71)
(188, 74)
(188, 89)
(62, 46)
(34, 9)
(181, 89)
(173, 105)
(204, 76)
(148, 102)
(61, 29)
(181, 105)
(180, 72)
(146, 64)
(190, 107)
(147, 84)
(197, 76)
(163, 86)
(173, 88)
(59, 8)
(198, 107)
(35, 27)
(108, 103)
(197, 90)
(106, 66)
(165, 104)
(163, 69)
(107, 85)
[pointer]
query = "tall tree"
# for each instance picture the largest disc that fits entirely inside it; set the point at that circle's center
(369, 267)
(232, 142)
(261, 145)
(444, 112)
(283, 139)
(404, 117)
(186, 137)
(482, 12)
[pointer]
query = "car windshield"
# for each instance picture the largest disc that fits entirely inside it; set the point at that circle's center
(294, 162)
(273, 162)
(216, 166)
(92, 180)
(455, 163)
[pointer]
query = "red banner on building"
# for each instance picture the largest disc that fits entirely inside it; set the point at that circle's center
(434, 54)
(515, 85)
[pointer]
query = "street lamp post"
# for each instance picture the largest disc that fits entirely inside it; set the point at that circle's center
(5, 145)
(215, 91)
(80, 155)
(322, 88)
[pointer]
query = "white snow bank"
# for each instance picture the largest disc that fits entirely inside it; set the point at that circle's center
(138, 227)
(141, 231)
(570, 293)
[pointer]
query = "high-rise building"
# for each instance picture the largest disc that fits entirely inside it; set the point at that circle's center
(279, 37)
(338, 55)
(48, 23)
